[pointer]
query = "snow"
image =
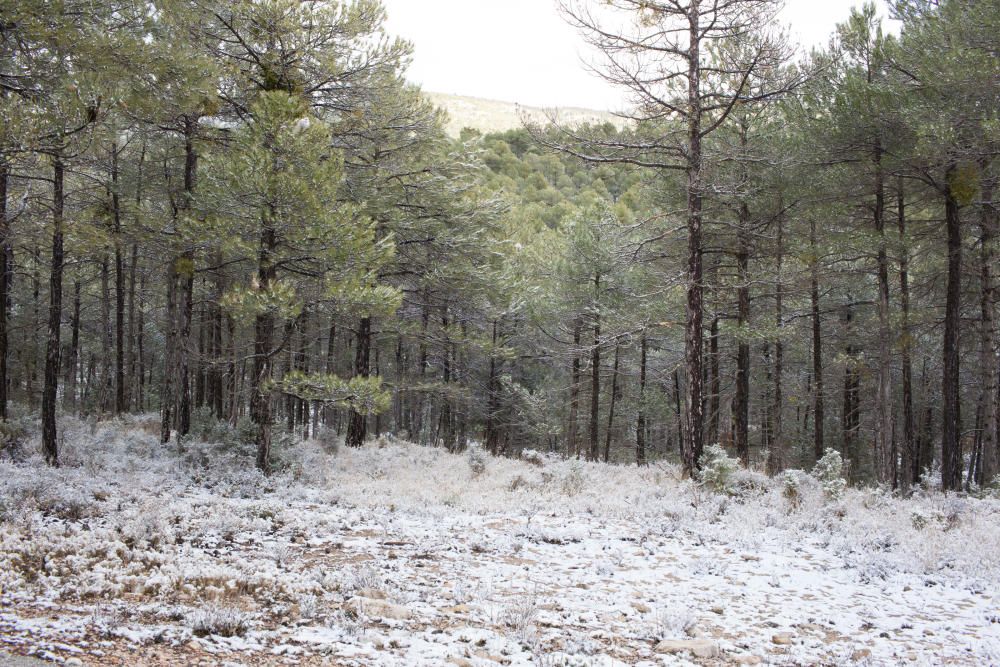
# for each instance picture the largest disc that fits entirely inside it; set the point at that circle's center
(396, 554)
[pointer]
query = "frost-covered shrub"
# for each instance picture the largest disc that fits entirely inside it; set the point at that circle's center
(573, 482)
(221, 621)
(533, 456)
(719, 468)
(828, 471)
(791, 488)
(477, 460)
(745, 483)
(328, 439)
(13, 436)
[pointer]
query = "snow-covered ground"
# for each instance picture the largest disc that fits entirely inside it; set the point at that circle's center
(133, 554)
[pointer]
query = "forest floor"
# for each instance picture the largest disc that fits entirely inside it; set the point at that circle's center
(137, 554)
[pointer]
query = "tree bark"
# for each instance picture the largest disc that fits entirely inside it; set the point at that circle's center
(595, 378)
(885, 457)
(910, 473)
(776, 459)
(640, 425)
(741, 401)
(951, 445)
(572, 445)
(50, 445)
(357, 429)
(5, 284)
(120, 406)
(986, 463)
(611, 405)
(817, 346)
(261, 409)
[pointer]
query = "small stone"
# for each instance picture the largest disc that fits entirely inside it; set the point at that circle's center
(700, 648)
(460, 662)
(73, 662)
(458, 609)
(717, 610)
(747, 660)
(782, 638)
(641, 608)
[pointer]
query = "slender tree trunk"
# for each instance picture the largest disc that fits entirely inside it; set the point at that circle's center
(106, 395)
(261, 394)
(595, 378)
(951, 444)
(119, 288)
(357, 429)
(817, 347)
(130, 348)
(910, 469)
(640, 425)
(692, 443)
(72, 364)
(49, 438)
(169, 355)
(776, 460)
(715, 382)
(987, 463)
(885, 457)
(572, 445)
(611, 405)
(741, 401)
(5, 286)
(492, 434)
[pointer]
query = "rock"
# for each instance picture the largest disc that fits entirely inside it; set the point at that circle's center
(458, 609)
(717, 610)
(460, 662)
(861, 654)
(641, 608)
(73, 662)
(700, 648)
(747, 660)
(782, 638)
(380, 608)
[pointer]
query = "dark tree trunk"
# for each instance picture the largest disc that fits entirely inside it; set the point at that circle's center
(817, 347)
(611, 405)
(986, 464)
(106, 393)
(715, 382)
(49, 438)
(492, 434)
(261, 399)
(595, 379)
(357, 429)
(951, 444)
(885, 457)
(741, 401)
(910, 473)
(572, 444)
(640, 425)
(169, 355)
(691, 446)
(72, 364)
(119, 288)
(776, 459)
(5, 284)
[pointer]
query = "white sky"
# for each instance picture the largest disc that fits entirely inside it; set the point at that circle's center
(522, 51)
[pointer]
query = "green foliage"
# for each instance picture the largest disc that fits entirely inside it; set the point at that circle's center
(718, 469)
(362, 394)
(829, 472)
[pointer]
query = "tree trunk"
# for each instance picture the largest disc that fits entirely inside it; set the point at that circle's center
(776, 459)
(595, 378)
(611, 405)
(72, 364)
(987, 464)
(741, 401)
(885, 457)
(951, 444)
(910, 473)
(715, 382)
(572, 445)
(492, 435)
(261, 410)
(817, 346)
(119, 288)
(49, 438)
(692, 444)
(5, 286)
(640, 425)
(357, 429)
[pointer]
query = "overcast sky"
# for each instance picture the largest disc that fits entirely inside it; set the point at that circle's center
(522, 51)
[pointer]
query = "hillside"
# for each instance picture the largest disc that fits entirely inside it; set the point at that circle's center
(496, 116)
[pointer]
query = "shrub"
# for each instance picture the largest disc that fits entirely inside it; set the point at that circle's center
(477, 460)
(221, 621)
(719, 469)
(828, 471)
(791, 489)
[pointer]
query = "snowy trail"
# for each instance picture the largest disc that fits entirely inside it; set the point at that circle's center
(401, 556)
